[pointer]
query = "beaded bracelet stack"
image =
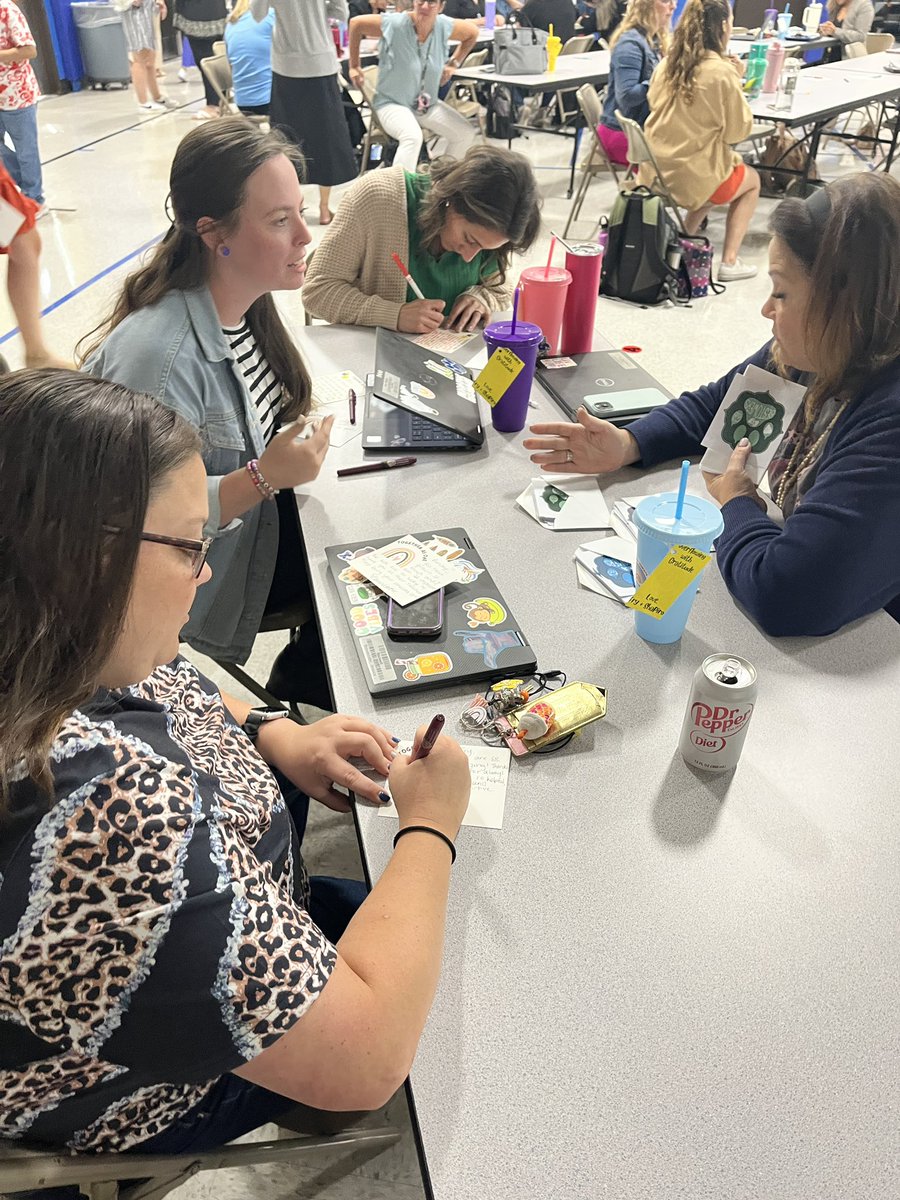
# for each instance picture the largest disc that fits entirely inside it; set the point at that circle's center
(262, 484)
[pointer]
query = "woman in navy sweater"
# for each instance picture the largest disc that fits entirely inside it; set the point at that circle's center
(835, 312)
(637, 46)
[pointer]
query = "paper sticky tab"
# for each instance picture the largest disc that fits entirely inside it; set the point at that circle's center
(664, 585)
(502, 368)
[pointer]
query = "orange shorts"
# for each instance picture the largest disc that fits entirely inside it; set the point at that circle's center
(28, 208)
(725, 192)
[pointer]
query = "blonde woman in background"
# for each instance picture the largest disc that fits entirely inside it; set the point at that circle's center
(849, 21)
(248, 44)
(637, 46)
(698, 114)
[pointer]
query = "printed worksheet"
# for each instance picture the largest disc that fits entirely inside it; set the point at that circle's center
(406, 570)
(758, 405)
(489, 766)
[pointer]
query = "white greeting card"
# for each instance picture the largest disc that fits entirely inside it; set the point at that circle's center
(406, 570)
(565, 502)
(489, 767)
(758, 405)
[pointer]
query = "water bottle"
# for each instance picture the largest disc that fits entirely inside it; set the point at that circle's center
(774, 63)
(756, 69)
(490, 13)
(790, 73)
(768, 26)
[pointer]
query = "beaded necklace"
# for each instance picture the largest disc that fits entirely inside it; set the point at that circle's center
(791, 472)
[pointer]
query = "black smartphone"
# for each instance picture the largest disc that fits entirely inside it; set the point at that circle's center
(422, 619)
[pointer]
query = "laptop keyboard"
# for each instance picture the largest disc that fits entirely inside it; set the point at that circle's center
(423, 430)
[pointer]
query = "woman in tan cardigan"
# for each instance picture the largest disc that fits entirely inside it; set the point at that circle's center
(455, 227)
(697, 115)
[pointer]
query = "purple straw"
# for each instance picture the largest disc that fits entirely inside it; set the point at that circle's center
(512, 328)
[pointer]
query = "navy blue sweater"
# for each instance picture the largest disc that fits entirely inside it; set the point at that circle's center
(837, 557)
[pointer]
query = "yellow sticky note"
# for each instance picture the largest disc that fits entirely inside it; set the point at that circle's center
(502, 368)
(668, 580)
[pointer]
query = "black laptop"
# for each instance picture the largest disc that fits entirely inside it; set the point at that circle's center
(419, 399)
(609, 383)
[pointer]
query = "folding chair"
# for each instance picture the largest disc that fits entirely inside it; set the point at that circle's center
(639, 152)
(152, 1176)
(579, 44)
(462, 96)
(598, 160)
(218, 71)
(375, 133)
(878, 42)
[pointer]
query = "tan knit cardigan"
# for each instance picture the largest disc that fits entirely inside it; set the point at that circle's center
(352, 279)
(693, 143)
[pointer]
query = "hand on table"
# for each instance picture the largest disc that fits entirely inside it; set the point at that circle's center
(315, 757)
(434, 790)
(467, 313)
(421, 316)
(289, 461)
(734, 481)
(827, 28)
(588, 447)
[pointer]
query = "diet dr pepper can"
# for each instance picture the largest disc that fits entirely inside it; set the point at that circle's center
(718, 713)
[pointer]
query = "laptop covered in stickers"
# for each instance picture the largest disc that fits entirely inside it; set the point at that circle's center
(479, 639)
(433, 390)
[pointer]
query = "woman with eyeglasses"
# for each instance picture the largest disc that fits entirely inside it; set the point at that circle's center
(171, 976)
(636, 48)
(197, 327)
(414, 61)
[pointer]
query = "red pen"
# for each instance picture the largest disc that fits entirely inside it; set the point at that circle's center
(351, 398)
(431, 736)
(404, 271)
(386, 464)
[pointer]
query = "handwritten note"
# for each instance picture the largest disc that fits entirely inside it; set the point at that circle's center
(664, 585)
(407, 570)
(494, 379)
(331, 398)
(489, 766)
(444, 341)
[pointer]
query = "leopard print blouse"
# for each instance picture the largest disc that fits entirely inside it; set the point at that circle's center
(154, 931)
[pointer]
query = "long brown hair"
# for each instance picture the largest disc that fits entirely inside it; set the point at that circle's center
(209, 179)
(700, 30)
(847, 238)
(641, 15)
(78, 455)
(491, 187)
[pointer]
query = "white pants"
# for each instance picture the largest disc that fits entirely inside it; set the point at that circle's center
(402, 123)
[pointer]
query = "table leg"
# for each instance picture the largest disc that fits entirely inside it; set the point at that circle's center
(576, 142)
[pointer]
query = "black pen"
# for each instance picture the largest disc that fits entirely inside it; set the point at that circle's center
(385, 465)
(351, 397)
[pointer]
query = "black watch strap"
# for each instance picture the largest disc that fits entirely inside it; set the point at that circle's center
(257, 717)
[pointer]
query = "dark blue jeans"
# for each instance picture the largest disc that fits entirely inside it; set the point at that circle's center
(235, 1106)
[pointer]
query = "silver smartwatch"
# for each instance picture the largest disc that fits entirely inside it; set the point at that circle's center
(257, 717)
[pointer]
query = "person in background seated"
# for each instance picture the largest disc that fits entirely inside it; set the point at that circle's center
(849, 21)
(248, 44)
(637, 46)
(197, 327)
(698, 114)
(414, 62)
(172, 978)
(455, 227)
(541, 14)
(831, 555)
(469, 10)
(600, 17)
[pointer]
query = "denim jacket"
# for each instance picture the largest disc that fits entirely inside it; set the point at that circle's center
(630, 67)
(176, 351)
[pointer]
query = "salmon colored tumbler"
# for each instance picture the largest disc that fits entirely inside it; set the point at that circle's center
(544, 300)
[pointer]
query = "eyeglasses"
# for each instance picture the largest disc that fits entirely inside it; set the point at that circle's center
(428, 3)
(196, 550)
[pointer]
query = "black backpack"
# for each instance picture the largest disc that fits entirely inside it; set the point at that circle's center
(642, 243)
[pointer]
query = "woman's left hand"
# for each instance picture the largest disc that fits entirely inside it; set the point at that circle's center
(734, 481)
(316, 757)
(827, 28)
(448, 72)
(467, 313)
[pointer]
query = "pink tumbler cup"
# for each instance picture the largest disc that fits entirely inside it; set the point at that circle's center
(542, 300)
(511, 411)
(583, 262)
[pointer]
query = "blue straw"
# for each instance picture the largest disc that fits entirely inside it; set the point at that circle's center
(512, 328)
(682, 489)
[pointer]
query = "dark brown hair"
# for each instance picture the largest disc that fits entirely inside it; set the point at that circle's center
(847, 239)
(491, 187)
(209, 178)
(77, 455)
(700, 29)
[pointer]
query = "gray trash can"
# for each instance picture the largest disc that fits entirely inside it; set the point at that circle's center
(102, 41)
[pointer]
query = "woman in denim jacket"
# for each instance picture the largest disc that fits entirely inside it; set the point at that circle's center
(197, 328)
(637, 46)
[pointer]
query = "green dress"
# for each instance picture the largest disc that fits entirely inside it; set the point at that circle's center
(448, 276)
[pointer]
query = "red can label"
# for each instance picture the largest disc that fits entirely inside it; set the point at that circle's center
(714, 724)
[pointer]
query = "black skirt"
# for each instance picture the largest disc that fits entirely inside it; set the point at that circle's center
(310, 113)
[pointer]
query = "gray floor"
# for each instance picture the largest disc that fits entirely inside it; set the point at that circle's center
(106, 168)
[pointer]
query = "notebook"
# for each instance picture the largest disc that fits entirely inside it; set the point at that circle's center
(609, 383)
(425, 384)
(479, 639)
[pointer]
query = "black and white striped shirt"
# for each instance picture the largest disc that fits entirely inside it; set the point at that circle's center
(264, 388)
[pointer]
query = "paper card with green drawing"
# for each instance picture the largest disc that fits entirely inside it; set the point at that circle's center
(760, 406)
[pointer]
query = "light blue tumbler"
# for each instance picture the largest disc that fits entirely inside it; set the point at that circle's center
(658, 531)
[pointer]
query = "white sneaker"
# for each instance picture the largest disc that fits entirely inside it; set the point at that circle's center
(729, 272)
(152, 105)
(41, 212)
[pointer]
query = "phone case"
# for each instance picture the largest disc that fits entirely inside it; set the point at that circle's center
(402, 632)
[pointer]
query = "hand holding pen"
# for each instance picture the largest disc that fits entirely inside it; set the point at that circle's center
(431, 787)
(421, 315)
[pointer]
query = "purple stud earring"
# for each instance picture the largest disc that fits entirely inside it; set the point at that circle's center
(224, 251)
